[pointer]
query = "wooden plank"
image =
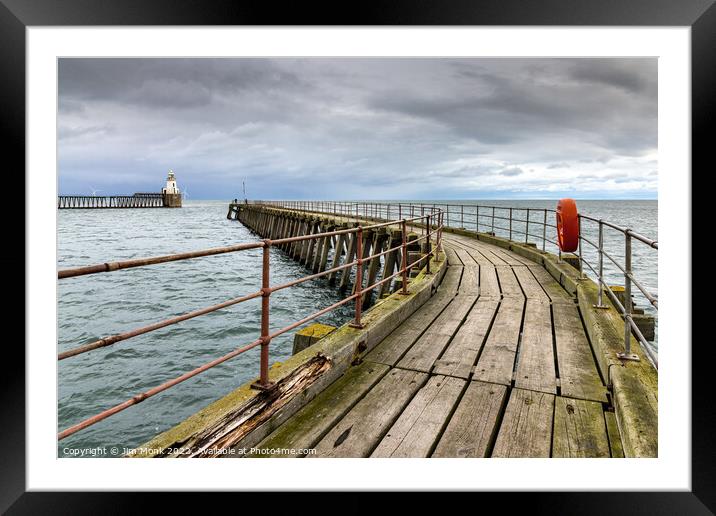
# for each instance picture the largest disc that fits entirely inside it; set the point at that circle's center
(464, 256)
(490, 255)
(498, 355)
(526, 429)
(508, 282)
(489, 287)
(479, 257)
(579, 429)
(509, 257)
(554, 290)
(464, 348)
(418, 427)
(390, 349)
(470, 282)
(615, 439)
(451, 281)
(358, 433)
(535, 363)
(305, 428)
(530, 286)
(579, 377)
(472, 427)
(452, 257)
(422, 355)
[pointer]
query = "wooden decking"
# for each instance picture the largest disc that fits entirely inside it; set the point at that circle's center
(495, 364)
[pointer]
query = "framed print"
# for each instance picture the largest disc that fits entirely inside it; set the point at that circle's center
(427, 234)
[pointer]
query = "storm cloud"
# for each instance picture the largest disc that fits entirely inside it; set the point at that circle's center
(360, 128)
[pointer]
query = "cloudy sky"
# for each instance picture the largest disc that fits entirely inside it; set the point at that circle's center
(378, 128)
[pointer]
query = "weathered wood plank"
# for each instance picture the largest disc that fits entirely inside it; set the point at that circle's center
(358, 433)
(464, 256)
(418, 427)
(470, 283)
(509, 257)
(478, 257)
(451, 281)
(615, 440)
(489, 287)
(535, 363)
(305, 428)
(452, 257)
(554, 290)
(422, 355)
(530, 286)
(579, 429)
(464, 348)
(498, 355)
(473, 425)
(579, 377)
(508, 282)
(526, 429)
(390, 349)
(489, 253)
(394, 346)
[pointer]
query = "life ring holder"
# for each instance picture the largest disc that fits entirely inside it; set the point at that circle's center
(567, 225)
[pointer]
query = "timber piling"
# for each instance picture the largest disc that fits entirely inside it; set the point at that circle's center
(332, 251)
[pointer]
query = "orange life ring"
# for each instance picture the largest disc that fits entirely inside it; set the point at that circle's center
(567, 225)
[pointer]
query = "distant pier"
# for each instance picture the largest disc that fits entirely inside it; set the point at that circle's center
(138, 200)
(169, 197)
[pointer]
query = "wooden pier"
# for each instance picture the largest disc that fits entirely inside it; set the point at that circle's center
(497, 349)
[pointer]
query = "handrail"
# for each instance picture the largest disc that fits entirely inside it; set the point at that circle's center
(266, 336)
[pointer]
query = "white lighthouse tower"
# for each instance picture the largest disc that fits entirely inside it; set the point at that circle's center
(171, 194)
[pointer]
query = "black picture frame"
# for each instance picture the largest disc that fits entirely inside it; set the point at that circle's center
(17, 15)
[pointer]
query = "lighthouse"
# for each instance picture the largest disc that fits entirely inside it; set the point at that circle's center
(170, 193)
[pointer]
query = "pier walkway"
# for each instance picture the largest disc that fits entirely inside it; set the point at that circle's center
(496, 363)
(464, 342)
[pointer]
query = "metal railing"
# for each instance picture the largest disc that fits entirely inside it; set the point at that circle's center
(528, 226)
(430, 220)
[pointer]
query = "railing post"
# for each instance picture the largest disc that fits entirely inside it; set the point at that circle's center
(510, 223)
(527, 227)
(544, 230)
(404, 257)
(462, 216)
(600, 303)
(493, 221)
(439, 244)
(427, 243)
(477, 219)
(359, 279)
(581, 263)
(265, 314)
(627, 355)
